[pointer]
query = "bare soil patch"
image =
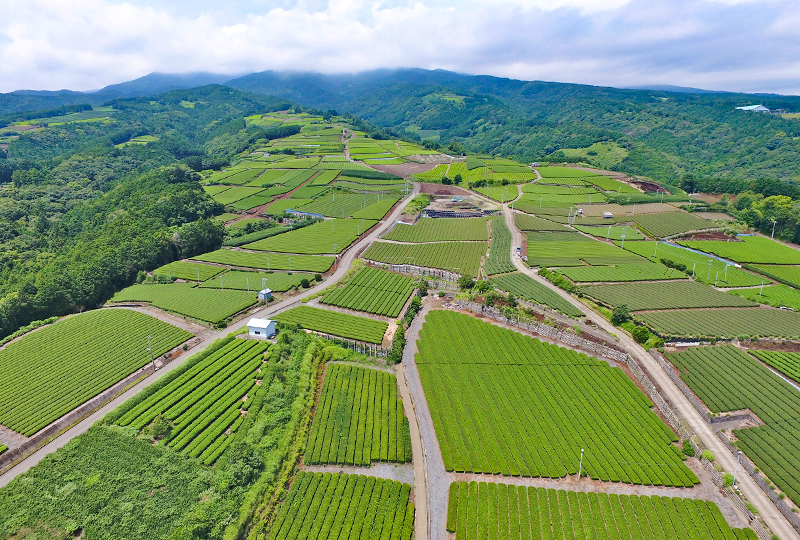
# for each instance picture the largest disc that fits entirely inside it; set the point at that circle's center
(441, 189)
(405, 169)
(711, 235)
(648, 187)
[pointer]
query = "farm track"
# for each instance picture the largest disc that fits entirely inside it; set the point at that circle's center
(767, 510)
(345, 262)
(390, 471)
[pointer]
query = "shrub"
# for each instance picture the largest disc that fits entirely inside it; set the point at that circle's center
(640, 334)
(620, 314)
(727, 479)
(688, 449)
(708, 455)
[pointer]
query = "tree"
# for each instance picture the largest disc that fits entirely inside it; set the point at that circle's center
(456, 147)
(458, 179)
(465, 283)
(640, 334)
(446, 181)
(620, 314)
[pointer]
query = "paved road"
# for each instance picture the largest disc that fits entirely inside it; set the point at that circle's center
(767, 510)
(343, 265)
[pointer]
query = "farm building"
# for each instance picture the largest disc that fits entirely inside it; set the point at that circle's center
(261, 328)
(607, 215)
(753, 108)
(265, 294)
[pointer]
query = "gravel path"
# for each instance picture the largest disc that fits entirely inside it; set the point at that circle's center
(345, 261)
(767, 510)
(437, 479)
(402, 472)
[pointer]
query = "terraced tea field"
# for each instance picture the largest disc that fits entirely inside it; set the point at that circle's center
(789, 275)
(252, 281)
(376, 210)
(55, 369)
(490, 510)
(204, 304)
(787, 363)
(621, 272)
(523, 286)
(330, 506)
(236, 194)
(612, 233)
(505, 403)
(373, 291)
(682, 294)
(728, 323)
(525, 222)
(206, 403)
(773, 295)
(459, 257)
(359, 419)
(190, 271)
(341, 204)
(335, 323)
(499, 258)
(316, 239)
(670, 223)
(268, 261)
(728, 379)
(439, 230)
(707, 270)
(751, 249)
(573, 249)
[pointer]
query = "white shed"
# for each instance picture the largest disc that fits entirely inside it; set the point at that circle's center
(607, 215)
(264, 328)
(265, 294)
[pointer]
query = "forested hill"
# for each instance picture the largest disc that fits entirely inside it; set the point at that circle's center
(84, 207)
(660, 134)
(664, 135)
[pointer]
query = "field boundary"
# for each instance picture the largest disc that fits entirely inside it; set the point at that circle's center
(10, 458)
(746, 463)
(416, 270)
(678, 423)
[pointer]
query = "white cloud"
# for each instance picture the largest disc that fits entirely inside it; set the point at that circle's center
(83, 44)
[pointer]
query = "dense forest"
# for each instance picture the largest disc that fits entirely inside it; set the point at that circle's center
(80, 215)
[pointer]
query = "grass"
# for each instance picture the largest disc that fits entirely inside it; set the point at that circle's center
(204, 304)
(622, 272)
(683, 294)
(51, 371)
(266, 261)
(751, 249)
(188, 270)
(252, 281)
(335, 323)
(728, 323)
(523, 286)
(359, 419)
(602, 154)
(318, 238)
(459, 257)
(439, 230)
(505, 403)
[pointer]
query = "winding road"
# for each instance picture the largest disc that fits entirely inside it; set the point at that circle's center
(342, 266)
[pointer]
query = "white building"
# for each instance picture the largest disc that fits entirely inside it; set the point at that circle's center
(753, 108)
(263, 328)
(265, 294)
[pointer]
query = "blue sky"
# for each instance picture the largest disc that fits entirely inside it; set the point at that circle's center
(736, 45)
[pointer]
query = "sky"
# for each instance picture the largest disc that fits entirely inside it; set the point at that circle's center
(733, 45)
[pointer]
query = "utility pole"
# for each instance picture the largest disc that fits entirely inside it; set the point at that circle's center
(268, 268)
(761, 291)
(708, 277)
(198, 274)
(726, 273)
(655, 250)
(150, 348)
(693, 265)
(335, 258)
(247, 276)
(580, 467)
(623, 240)
(773, 229)
(608, 233)
(736, 469)
(716, 279)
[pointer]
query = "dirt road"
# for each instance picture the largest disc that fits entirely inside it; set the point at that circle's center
(767, 510)
(343, 265)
